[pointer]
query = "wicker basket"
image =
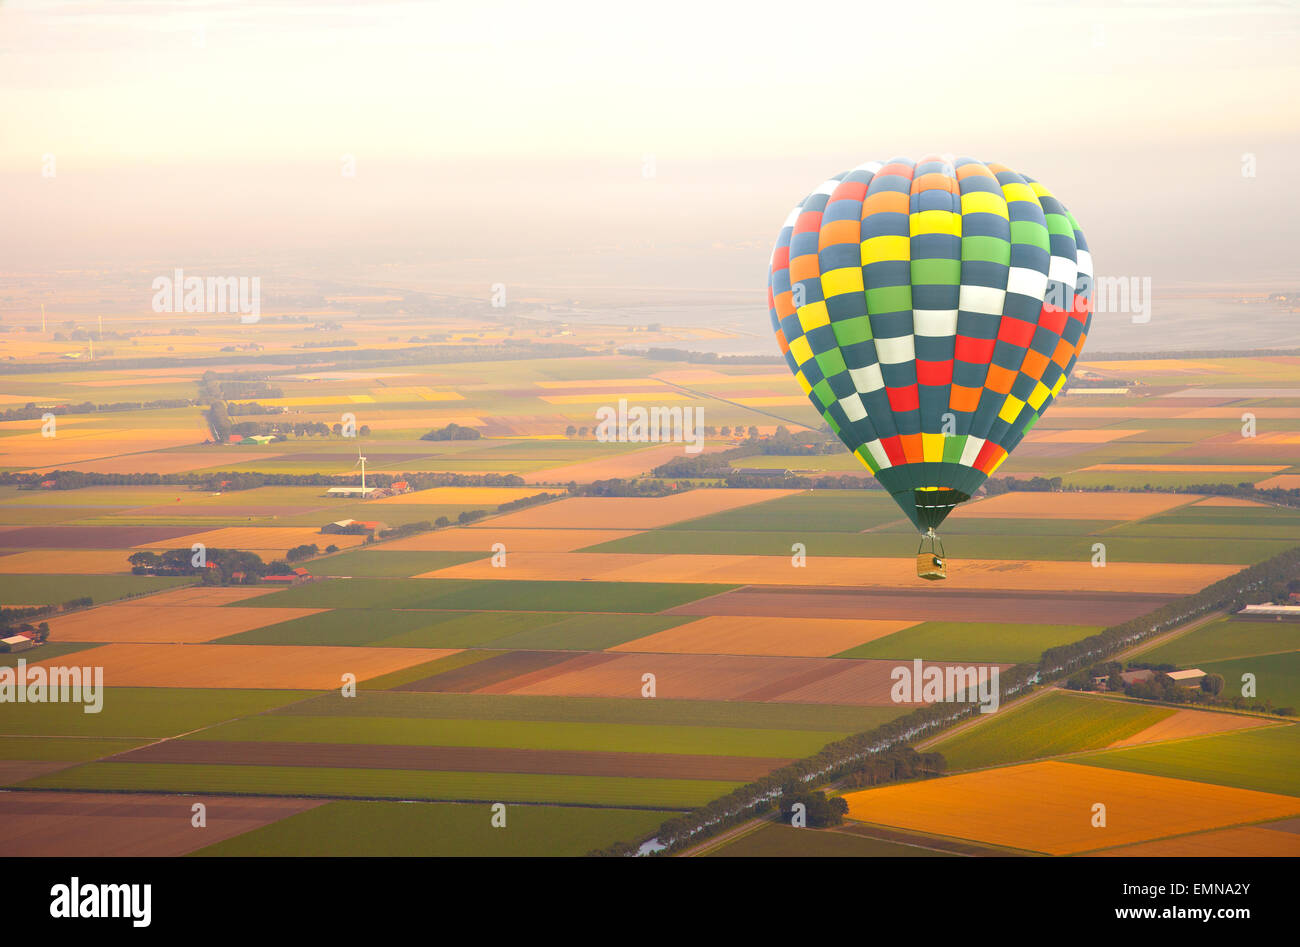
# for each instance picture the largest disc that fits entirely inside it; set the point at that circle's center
(931, 566)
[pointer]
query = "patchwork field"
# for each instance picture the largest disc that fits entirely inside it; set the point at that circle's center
(524, 683)
(1048, 807)
(378, 829)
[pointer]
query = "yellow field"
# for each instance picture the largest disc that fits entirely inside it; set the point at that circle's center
(791, 637)
(74, 443)
(843, 571)
(482, 496)
(66, 562)
(199, 595)
(1280, 482)
(1249, 841)
(1228, 501)
(1076, 506)
(149, 621)
(515, 540)
(1047, 807)
(257, 666)
(260, 539)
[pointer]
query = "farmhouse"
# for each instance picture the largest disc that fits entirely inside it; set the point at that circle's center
(352, 527)
(295, 577)
(1137, 677)
(351, 492)
(1270, 612)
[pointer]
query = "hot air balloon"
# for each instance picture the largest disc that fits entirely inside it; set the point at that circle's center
(931, 311)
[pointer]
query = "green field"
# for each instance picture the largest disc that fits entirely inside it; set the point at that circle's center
(141, 712)
(783, 841)
(525, 734)
(1014, 544)
(387, 784)
(379, 829)
(390, 628)
(1222, 640)
(60, 748)
(971, 641)
(822, 511)
(1050, 725)
(418, 672)
(57, 589)
(385, 563)
(611, 710)
(1267, 759)
(491, 594)
(1277, 677)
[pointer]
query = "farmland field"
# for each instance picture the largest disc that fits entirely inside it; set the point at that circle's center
(971, 641)
(1225, 640)
(1044, 807)
(1267, 759)
(388, 828)
(1051, 725)
(770, 613)
(782, 841)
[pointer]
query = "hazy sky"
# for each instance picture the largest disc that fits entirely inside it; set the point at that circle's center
(513, 139)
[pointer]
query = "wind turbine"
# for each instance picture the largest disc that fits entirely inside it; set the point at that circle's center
(361, 462)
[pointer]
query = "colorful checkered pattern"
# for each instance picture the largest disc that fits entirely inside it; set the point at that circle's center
(931, 311)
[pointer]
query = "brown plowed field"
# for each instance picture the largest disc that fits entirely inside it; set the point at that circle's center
(92, 825)
(454, 759)
(92, 537)
(933, 604)
(713, 677)
(793, 637)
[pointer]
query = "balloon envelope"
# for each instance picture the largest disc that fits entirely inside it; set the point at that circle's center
(931, 310)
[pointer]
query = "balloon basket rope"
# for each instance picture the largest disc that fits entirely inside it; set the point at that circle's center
(931, 563)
